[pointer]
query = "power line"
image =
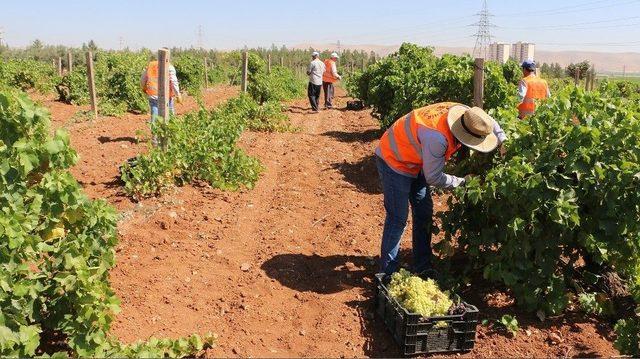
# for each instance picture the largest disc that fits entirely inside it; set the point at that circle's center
(627, 43)
(552, 10)
(387, 33)
(563, 26)
(569, 9)
(582, 28)
(483, 36)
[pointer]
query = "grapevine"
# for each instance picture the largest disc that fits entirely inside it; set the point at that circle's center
(57, 247)
(414, 77)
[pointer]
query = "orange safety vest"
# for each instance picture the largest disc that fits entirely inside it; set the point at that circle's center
(537, 88)
(151, 87)
(327, 76)
(400, 147)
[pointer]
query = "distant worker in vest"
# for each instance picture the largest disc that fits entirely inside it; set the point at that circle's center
(149, 84)
(530, 89)
(411, 158)
(315, 71)
(330, 77)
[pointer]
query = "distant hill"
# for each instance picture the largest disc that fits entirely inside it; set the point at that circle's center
(604, 62)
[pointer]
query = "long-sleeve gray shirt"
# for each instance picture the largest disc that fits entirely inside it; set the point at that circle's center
(434, 146)
(315, 70)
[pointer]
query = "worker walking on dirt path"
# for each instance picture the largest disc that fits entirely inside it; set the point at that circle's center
(411, 157)
(329, 78)
(149, 84)
(530, 89)
(315, 71)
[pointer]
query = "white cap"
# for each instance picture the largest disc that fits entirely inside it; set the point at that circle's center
(335, 54)
(315, 53)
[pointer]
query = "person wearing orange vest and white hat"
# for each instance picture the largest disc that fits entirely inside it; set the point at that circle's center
(149, 84)
(530, 89)
(330, 77)
(411, 157)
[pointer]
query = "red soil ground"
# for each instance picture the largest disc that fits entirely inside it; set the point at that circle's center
(284, 269)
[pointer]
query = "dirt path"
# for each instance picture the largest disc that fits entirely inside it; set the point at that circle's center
(284, 269)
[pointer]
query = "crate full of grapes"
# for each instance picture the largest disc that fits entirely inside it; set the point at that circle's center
(422, 318)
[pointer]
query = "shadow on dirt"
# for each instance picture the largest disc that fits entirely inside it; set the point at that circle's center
(333, 274)
(364, 137)
(299, 109)
(105, 139)
(322, 275)
(362, 174)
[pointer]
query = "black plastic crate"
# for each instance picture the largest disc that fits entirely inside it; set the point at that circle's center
(425, 335)
(355, 105)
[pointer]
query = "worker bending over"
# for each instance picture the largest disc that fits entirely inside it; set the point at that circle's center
(411, 157)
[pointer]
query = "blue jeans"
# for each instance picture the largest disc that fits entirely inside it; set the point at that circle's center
(153, 108)
(398, 192)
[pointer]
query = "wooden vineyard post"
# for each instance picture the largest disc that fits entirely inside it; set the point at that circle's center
(363, 64)
(53, 63)
(245, 65)
(593, 78)
(576, 79)
(59, 65)
(92, 85)
(206, 74)
(269, 63)
(69, 62)
(478, 83)
(587, 79)
(281, 61)
(163, 89)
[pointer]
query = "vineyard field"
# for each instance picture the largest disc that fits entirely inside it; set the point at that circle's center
(260, 221)
(331, 194)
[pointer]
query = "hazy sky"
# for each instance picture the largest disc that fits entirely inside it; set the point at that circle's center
(605, 25)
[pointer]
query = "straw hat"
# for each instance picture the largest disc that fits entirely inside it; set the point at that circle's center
(473, 127)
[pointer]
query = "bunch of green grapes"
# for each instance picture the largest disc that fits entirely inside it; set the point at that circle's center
(418, 295)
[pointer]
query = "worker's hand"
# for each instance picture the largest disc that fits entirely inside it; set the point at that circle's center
(179, 98)
(339, 77)
(468, 178)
